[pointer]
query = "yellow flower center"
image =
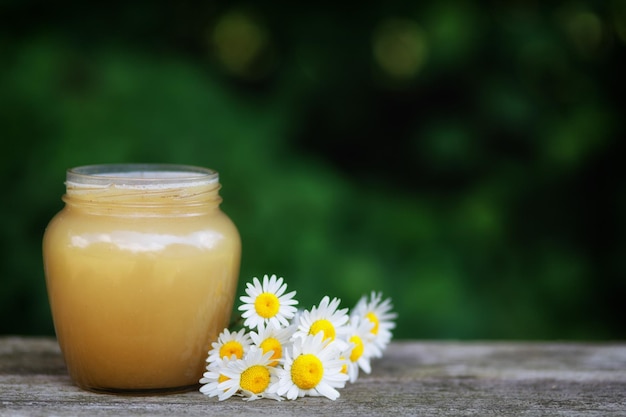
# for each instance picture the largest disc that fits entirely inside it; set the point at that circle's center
(272, 344)
(325, 326)
(357, 351)
(232, 347)
(255, 379)
(344, 367)
(267, 305)
(307, 371)
(372, 317)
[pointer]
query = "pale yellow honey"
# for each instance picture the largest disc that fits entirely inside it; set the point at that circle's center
(137, 300)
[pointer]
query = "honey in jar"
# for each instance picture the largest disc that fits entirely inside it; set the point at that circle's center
(141, 270)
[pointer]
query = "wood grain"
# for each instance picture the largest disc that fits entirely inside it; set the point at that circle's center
(415, 378)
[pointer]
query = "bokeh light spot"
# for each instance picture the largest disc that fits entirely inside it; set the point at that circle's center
(239, 40)
(399, 48)
(585, 30)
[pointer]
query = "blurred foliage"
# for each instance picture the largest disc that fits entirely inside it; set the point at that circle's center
(464, 158)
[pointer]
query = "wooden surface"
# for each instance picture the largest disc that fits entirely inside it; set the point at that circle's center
(414, 378)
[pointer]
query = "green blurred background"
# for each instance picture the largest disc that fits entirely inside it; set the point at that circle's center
(464, 158)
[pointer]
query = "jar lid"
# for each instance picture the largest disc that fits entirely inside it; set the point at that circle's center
(140, 176)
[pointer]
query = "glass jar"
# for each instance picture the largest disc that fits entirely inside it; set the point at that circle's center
(141, 270)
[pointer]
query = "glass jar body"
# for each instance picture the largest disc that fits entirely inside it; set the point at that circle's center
(138, 297)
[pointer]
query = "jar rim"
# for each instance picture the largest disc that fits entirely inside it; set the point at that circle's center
(140, 176)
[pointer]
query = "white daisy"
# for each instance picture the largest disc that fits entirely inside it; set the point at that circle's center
(271, 338)
(325, 318)
(312, 367)
(213, 377)
(249, 377)
(267, 303)
(361, 348)
(229, 344)
(378, 312)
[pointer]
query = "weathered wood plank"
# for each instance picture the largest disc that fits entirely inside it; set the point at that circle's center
(414, 378)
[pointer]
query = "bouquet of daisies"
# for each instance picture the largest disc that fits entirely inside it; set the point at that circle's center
(282, 352)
